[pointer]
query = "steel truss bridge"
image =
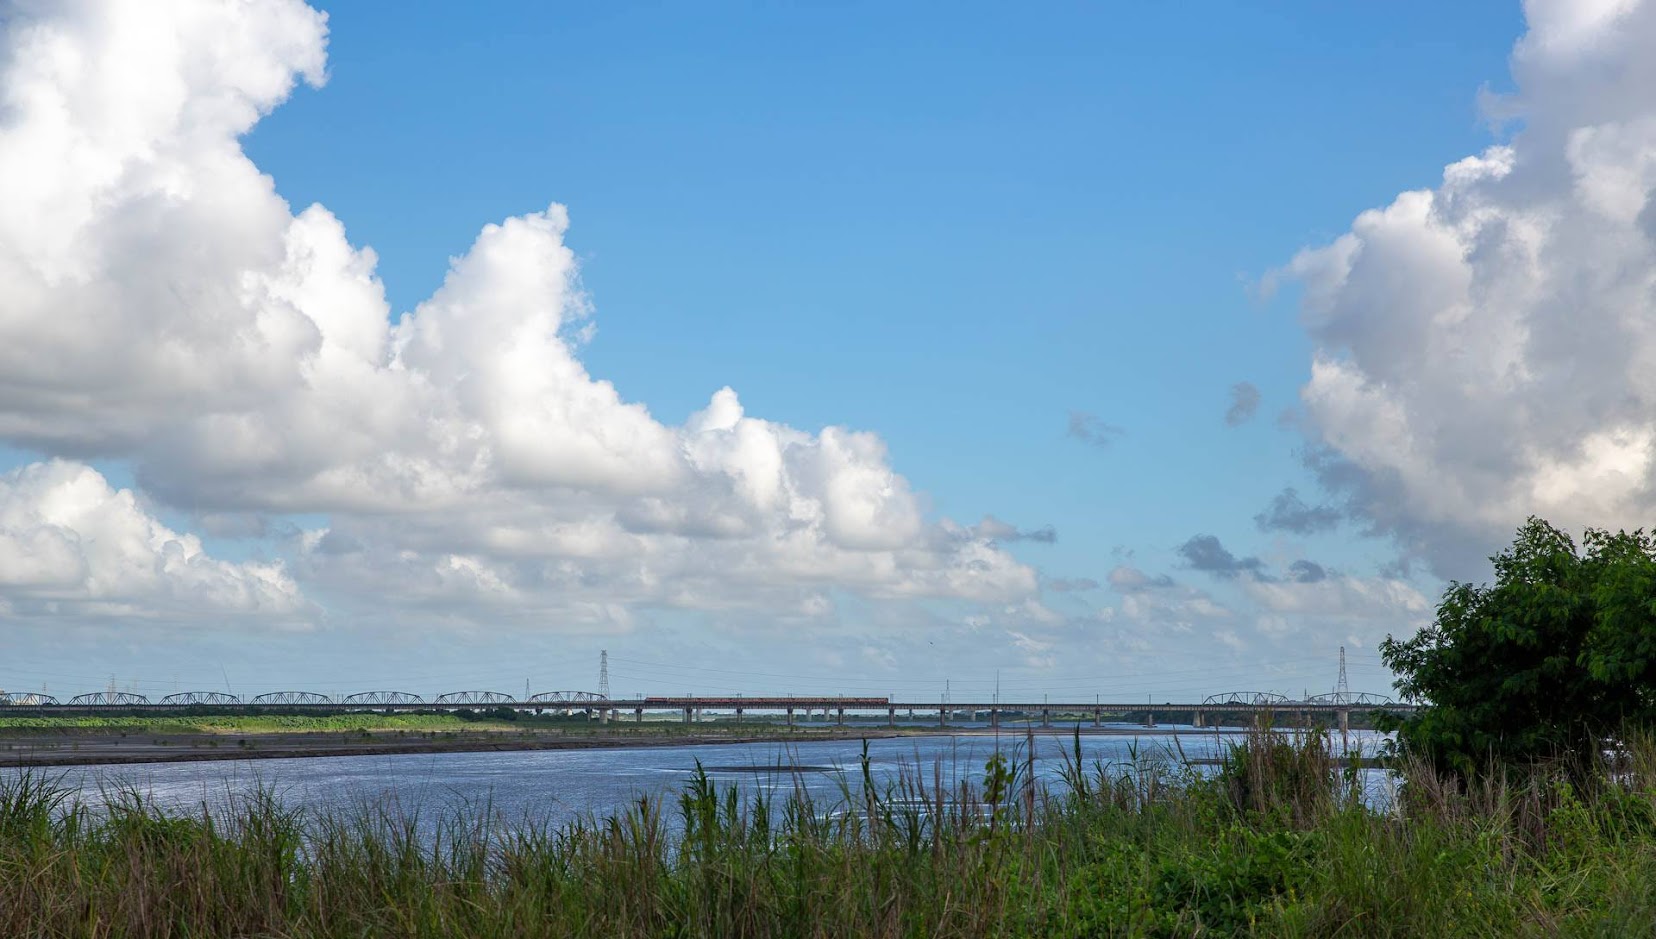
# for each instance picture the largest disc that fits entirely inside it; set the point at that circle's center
(1256, 706)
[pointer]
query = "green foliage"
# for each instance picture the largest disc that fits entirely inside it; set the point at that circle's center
(30, 805)
(1231, 889)
(1545, 663)
(262, 723)
(1293, 776)
(999, 778)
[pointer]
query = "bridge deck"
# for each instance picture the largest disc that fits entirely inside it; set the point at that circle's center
(745, 704)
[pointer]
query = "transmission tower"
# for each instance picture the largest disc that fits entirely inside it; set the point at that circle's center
(1342, 690)
(603, 673)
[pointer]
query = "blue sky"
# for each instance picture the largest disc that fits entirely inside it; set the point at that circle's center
(950, 229)
(961, 229)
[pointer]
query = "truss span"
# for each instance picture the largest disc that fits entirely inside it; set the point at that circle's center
(25, 699)
(567, 697)
(108, 699)
(1353, 699)
(293, 697)
(475, 697)
(383, 697)
(1247, 698)
(215, 698)
(1266, 699)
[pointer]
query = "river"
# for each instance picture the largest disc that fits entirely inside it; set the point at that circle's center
(558, 786)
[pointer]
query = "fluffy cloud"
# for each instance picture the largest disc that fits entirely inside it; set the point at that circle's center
(1125, 579)
(71, 545)
(133, 232)
(1311, 606)
(1485, 349)
(165, 306)
(1322, 603)
(1036, 653)
(1166, 608)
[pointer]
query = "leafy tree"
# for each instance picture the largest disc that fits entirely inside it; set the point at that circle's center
(1555, 657)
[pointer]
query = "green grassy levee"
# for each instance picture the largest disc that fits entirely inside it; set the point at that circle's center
(260, 723)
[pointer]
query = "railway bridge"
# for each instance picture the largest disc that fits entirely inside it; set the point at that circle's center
(1256, 707)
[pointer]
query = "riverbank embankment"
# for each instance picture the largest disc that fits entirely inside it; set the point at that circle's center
(175, 743)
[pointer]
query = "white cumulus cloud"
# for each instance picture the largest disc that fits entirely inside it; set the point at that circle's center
(164, 305)
(72, 545)
(1486, 349)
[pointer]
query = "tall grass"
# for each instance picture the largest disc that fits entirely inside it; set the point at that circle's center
(1279, 840)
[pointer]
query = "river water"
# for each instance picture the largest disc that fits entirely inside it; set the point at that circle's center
(558, 786)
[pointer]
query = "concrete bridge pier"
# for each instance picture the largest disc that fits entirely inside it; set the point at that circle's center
(942, 716)
(790, 717)
(994, 717)
(638, 715)
(839, 717)
(1046, 717)
(1196, 719)
(1149, 718)
(689, 714)
(738, 715)
(1098, 718)
(1345, 722)
(891, 717)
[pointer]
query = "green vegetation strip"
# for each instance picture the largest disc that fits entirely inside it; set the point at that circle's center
(1278, 842)
(255, 724)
